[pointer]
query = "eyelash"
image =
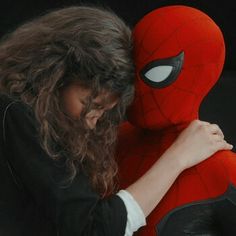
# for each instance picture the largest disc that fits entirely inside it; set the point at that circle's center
(96, 107)
(99, 107)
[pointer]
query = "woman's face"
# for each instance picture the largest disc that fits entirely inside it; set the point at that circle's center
(73, 100)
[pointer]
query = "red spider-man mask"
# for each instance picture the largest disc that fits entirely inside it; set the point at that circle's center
(178, 59)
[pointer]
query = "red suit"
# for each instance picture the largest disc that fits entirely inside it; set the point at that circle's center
(179, 54)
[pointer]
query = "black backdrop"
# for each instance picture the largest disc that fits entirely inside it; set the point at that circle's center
(14, 12)
(219, 105)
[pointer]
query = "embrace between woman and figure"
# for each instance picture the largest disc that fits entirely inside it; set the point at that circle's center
(66, 79)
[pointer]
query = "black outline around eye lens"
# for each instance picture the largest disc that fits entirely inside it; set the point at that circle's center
(176, 63)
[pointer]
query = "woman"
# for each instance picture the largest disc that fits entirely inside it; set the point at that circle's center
(66, 80)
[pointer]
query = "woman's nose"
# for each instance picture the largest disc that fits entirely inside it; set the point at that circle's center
(93, 117)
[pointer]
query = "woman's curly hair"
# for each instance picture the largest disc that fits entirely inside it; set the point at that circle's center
(88, 45)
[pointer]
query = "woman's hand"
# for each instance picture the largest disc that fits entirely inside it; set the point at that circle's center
(197, 142)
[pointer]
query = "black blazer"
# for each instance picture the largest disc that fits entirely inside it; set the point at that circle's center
(33, 200)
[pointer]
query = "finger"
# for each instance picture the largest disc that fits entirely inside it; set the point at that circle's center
(223, 145)
(204, 123)
(217, 138)
(215, 129)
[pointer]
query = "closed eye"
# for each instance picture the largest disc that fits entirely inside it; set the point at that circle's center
(97, 106)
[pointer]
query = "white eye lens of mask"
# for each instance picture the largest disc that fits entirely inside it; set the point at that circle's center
(158, 73)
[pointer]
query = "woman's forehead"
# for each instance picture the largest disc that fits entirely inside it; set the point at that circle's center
(103, 97)
(106, 97)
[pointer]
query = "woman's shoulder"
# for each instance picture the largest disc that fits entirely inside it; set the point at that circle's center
(10, 106)
(7, 102)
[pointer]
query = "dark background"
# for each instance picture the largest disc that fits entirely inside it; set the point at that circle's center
(219, 105)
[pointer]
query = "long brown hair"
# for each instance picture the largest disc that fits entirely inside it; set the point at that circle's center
(85, 44)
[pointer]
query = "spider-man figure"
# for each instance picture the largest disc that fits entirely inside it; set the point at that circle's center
(179, 55)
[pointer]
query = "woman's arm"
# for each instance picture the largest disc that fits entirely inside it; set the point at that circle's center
(71, 208)
(196, 143)
(78, 210)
